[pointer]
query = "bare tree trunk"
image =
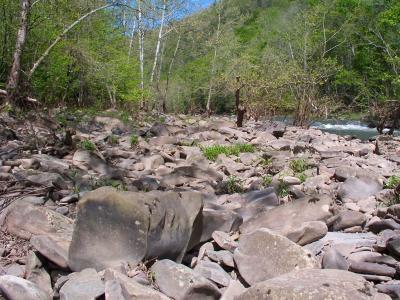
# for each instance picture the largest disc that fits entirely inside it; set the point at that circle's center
(131, 41)
(61, 36)
(208, 106)
(240, 109)
(160, 35)
(164, 104)
(141, 51)
(13, 83)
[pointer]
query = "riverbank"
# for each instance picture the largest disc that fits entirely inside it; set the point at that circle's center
(195, 206)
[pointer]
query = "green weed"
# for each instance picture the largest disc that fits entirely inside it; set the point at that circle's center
(302, 177)
(266, 162)
(87, 145)
(392, 182)
(234, 185)
(299, 165)
(282, 190)
(212, 152)
(267, 180)
(134, 140)
(113, 140)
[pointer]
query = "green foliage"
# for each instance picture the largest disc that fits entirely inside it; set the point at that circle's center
(212, 152)
(87, 145)
(117, 184)
(234, 185)
(134, 140)
(113, 140)
(392, 182)
(266, 162)
(267, 180)
(282, 189)
(299, 165)
(302, 177)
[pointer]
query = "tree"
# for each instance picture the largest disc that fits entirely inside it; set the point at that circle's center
(13, 83)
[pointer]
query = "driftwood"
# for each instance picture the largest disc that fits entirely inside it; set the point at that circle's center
(3, 94)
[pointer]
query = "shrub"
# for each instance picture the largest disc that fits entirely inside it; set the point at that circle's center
(267, 180)
(266, 162)
(87, 145)
(392, 182)
(283, 189)
(234, 185)
(302, 177)
(113, 140)
(299, 165)
(212, 152)
(134, 140)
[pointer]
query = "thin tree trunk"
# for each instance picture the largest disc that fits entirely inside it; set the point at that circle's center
(158, 41)
(13, 83)
(240, 109)
(131, 41)
(208, 106)
(61, 36)
(164, 104)
(141, 52)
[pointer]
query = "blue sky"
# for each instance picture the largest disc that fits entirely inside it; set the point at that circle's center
(205, 3)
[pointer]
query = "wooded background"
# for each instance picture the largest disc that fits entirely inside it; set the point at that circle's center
(325, 57)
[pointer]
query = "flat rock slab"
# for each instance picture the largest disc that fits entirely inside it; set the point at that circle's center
(287, 218)
(359, 188)
(180, 282)
(263, 254)
(345, 243)
(114, 227)
(85, 285)
(26, 220)
(314, 285)
(16, 288)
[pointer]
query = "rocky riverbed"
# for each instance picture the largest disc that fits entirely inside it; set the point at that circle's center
(193, 208)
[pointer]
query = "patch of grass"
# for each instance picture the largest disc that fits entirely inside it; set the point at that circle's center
(302, 177)
(299, 165)
(117, 184)
(134, 140)
(267, 180)
(392, 182)
(266, 162)
(234, 185)
(192, 143)
(113, 140)
(87, 145)
(212, 152)
(282, 189)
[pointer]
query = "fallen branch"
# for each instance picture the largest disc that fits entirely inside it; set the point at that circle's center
(3, 93)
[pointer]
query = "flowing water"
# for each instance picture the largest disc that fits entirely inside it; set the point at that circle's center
(353, 128)
(357, 129)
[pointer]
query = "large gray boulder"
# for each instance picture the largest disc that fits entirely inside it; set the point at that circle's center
(288, 218)
(182, 283)
(113, 227)
(314, 284)
(263, 254)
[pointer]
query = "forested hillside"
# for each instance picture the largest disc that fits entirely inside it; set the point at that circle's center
(282, 56)
(327, 56)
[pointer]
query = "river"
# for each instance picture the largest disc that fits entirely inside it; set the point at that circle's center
(353, 128)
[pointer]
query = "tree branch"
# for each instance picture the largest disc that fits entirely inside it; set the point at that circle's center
(61, 36)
